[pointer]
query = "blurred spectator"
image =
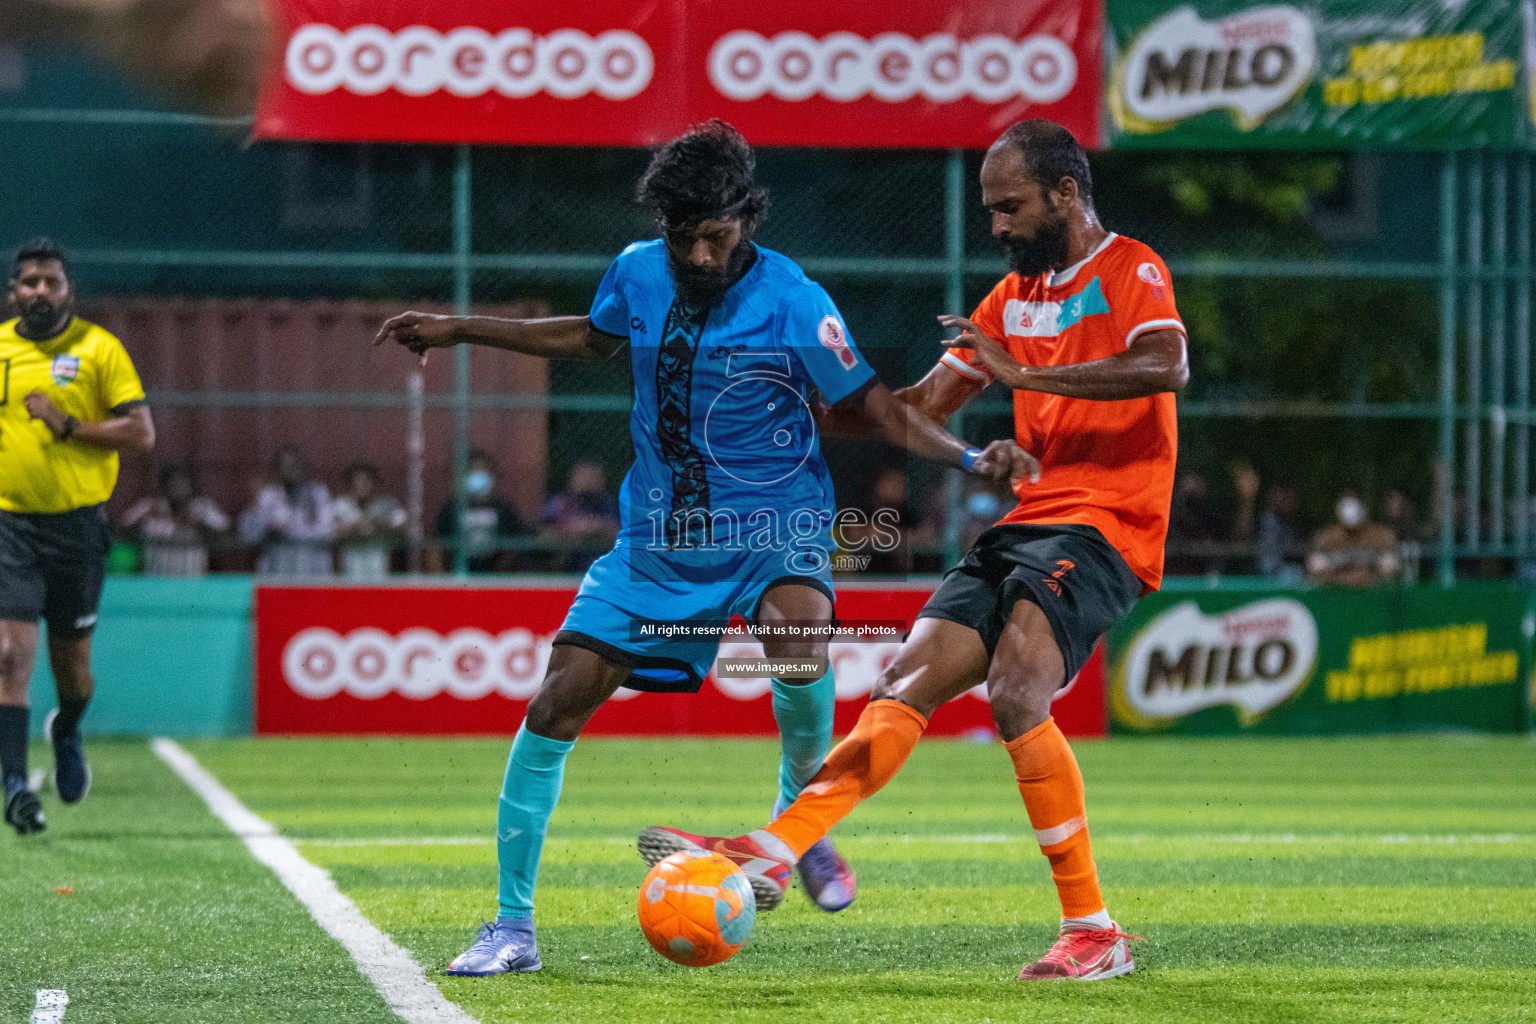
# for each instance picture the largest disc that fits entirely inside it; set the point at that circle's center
(1403, 520)
(369, 525)
(985, 503)
(1401, 517)
(175, 525)
(982, 504)
(883, 535)
(291, 520)
(1279, 544)
(1353, 552)
(583, 519)
(486, 524)
(1196, 529)
(1245, 483)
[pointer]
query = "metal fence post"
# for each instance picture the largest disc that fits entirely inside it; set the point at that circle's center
(461, 293)
(1445, 480)
(954, 302)
(415, 467)
(1522, 344)
(1474, 318)
(1498, 307)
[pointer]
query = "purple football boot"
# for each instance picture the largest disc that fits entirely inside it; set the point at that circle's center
(828, 880)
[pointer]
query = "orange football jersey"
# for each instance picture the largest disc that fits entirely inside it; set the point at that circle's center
(1105, 464)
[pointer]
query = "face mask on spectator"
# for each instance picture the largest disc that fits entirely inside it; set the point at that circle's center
(1351, 512)
(982, 504)
(478, 483)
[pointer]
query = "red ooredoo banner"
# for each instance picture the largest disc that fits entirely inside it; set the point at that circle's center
(786, 72)
(447, 659)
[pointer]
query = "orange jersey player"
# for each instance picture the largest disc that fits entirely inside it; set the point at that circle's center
(1085, 332)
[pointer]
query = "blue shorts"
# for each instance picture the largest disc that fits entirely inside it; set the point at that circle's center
(617, 598)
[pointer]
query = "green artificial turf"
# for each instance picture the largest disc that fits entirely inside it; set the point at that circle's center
(170, 921)
(1274, 880)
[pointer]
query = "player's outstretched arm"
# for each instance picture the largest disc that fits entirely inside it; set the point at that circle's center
(554, 337)
(938, 396)
(1155, 362)
(907, 427)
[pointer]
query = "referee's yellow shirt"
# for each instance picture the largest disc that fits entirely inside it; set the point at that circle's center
(87, 373)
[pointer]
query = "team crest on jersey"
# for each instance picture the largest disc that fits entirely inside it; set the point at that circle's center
(1149, 273)
(832, 336)
(65, 369)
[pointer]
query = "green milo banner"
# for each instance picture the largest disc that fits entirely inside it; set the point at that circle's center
(1329, 74)
(1324, 661)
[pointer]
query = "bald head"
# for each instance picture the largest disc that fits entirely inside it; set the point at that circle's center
(1045, 153)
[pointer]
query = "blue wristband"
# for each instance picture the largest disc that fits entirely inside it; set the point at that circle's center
(968, 460)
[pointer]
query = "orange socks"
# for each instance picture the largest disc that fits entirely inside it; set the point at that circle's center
(874, 752)
(1052, 787)
(855, 770)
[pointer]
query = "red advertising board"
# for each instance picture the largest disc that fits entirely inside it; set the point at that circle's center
(461, 660)
(786, 72)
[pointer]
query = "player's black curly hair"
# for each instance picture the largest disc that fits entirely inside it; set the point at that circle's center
(1050, 154)
(703, 173)
(38, 249)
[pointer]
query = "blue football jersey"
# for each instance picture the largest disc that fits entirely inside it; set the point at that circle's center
(724, 439)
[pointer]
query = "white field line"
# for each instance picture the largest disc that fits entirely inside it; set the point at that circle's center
(398, 978)
(404, 841)
(1283, 839)
(50, 1006)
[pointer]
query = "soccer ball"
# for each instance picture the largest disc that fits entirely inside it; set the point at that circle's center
(696, 908)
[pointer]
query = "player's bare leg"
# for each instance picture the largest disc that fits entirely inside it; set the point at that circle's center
(939, 661)
(1026, 672)
(18, 652)
(69, 655)
(576, 683)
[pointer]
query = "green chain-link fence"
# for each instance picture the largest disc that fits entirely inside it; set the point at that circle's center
(1338, 332)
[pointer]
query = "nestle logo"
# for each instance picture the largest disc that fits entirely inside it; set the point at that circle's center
(1241, 32)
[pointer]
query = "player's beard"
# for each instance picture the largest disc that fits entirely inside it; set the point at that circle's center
(42, 319)
(705, 289)
(1028, 257)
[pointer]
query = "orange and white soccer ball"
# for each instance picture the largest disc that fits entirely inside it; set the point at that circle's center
(696, 908)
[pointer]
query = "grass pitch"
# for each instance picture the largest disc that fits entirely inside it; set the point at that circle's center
(1274, 880)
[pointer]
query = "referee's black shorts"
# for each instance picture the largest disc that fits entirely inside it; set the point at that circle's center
(52, 566)
(1081, 584)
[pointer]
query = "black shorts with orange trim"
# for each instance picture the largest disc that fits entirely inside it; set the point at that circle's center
(1078, 580)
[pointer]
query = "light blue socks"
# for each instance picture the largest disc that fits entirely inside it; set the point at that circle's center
(804, 714)
(529, 793)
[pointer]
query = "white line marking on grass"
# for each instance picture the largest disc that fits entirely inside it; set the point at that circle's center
(1284, 839)
(398, 978)
(403, 841)
(37, 780)
(50, 1006)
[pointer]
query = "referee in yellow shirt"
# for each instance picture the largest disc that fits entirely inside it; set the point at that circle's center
(70, 400)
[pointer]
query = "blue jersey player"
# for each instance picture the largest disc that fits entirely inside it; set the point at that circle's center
(728, 508)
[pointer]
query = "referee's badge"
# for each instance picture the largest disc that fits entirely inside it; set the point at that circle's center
(65, 369)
